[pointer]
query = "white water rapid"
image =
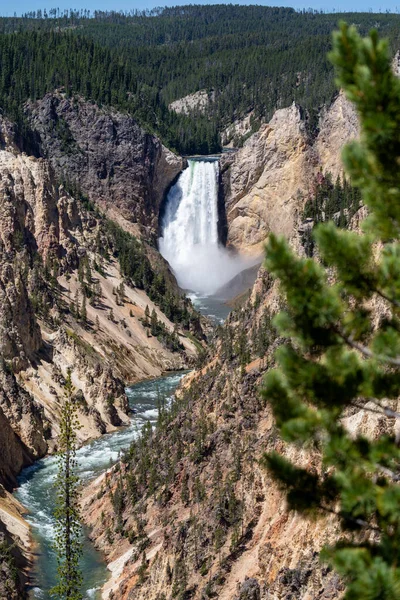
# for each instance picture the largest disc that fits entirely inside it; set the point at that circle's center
(189, 240)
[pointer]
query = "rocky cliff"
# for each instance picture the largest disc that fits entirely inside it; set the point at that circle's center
(66, 302)
(267, 182)
(119, 166)
(211, 523)
(193, 103)
(15, 545)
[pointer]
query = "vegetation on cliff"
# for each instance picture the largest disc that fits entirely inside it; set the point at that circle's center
(331, 201)
(10, 586)
(342, 355)
(136, 267)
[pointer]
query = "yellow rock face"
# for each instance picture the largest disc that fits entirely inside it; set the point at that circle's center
(268, 180)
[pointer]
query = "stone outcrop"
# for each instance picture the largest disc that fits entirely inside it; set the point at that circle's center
(119, 166)
(236, 131)
(15, 454)
(197, 102)
(266, 183)
(42, 228)
(37, 219)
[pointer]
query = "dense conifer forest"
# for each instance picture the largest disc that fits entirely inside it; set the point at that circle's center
(252, 58)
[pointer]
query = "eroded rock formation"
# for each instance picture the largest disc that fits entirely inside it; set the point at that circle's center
(267, 182)
(115, 162)
(193, 103)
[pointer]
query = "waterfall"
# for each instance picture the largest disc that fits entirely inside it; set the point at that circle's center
(189, 238)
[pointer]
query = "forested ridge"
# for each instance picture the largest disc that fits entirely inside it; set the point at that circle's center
(253, 58)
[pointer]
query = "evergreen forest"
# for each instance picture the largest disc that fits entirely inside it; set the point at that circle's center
(248, 58)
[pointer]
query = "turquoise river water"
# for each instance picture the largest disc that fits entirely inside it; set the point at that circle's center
(36, 491)
(36, 483)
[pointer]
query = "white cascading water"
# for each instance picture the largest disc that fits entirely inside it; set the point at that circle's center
(189, 239)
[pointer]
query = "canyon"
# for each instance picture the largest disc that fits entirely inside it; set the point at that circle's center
(221, 422)
(90, 165)
(53, 266)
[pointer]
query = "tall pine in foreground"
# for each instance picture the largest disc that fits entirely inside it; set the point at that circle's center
(341, 354)
(68, 527)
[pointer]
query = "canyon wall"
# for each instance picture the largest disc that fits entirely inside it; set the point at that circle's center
(119, 166)
(266, 183)
(65, 303)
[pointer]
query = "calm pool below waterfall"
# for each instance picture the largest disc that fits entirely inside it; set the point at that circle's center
(36, 491)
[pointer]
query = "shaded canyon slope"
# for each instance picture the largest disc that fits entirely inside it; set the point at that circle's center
(119, 166)
(205, 520)
(67, 303)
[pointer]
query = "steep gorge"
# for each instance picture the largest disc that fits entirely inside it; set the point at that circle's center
(67, 303)
(211, 522)
(219, 518)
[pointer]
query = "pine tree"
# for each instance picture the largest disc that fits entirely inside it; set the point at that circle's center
(68, 528)
(81, 272)
(339, 354)
(153, 322)
(77, 308)
(88, 272)
(83, 308)
(121, 291)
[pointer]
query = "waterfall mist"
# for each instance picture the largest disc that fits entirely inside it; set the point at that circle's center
(189, 240)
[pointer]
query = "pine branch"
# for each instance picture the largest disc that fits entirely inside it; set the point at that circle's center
(365, 351)
(385, 410)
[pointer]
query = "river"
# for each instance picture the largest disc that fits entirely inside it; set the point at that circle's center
(36, 490)
(190, 243)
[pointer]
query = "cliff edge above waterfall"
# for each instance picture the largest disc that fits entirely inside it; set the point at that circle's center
(266, 183)
(112, 160)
